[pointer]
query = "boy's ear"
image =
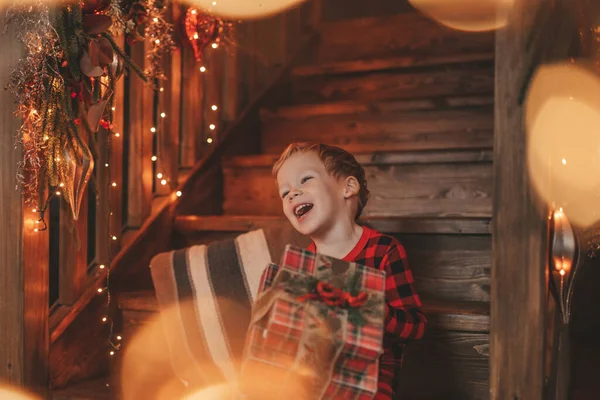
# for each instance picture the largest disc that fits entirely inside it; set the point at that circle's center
(351, 187)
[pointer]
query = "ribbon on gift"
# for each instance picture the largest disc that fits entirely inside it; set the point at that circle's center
(335, 297)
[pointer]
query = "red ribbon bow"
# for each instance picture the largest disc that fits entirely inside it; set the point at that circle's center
(336, 297)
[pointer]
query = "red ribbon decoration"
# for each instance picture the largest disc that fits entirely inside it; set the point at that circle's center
(335, 297)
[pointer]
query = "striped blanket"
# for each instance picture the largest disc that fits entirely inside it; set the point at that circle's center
(205, 295)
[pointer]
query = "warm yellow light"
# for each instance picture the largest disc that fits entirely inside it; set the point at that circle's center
(196, 35)
(100, 290)
(245, 9)
(61, 184)
(104, 319)
(119, 337)
(157, 41)
(159, 175)
(114, 238)
(113, 108)
(112, 353)
(562, 116)
(154, 158)
(214, 45)
(209, 140)
(467, 15)
(34, 210)
(155, 19)
(106, 165)
(178, 193)
(14, 393)
(562, 272)
(114, 184)
(117, 134)
(163, 182)
(202, 69)
(58, 193)
(163, 115)
(153, 129)
(102, 266)
(214, 107)
(212, 127)
(162, 89)
(194, 12)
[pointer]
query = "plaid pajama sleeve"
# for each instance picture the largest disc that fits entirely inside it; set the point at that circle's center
(404, 319)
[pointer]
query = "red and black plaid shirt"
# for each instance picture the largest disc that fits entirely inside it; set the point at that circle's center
(404, 320)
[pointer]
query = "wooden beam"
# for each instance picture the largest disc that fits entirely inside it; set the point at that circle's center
(520, 230)
(195, 224)
(23, 255)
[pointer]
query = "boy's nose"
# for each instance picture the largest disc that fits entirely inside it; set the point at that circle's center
(294, 194)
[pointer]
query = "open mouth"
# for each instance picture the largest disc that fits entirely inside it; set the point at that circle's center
(302, 209)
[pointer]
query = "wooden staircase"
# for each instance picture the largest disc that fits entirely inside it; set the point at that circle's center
(414, 102)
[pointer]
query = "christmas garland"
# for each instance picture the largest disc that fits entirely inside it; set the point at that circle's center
(64, 86)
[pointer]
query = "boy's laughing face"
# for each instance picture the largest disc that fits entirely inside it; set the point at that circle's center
(312, 198)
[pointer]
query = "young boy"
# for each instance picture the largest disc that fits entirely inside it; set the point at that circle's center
(323, 190)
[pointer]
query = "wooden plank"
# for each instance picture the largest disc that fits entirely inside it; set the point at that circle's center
(72, 253)
(116, 161)
(356, 8)
(395, 84)
(375, 158)
(213, 96)
(393, 35)
(140, 177)
(449, 267)
(520, 230)
(302, 111)
(433, 190)
(194, 224)
(416, 130)
(230, 103)
(389, 63)
(192, 86)
(24, 255)
(446, 365)
(103, 192)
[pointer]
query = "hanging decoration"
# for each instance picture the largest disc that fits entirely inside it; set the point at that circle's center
(204, 29)
(64, 87)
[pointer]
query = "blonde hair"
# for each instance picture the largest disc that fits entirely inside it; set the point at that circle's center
(338, 162)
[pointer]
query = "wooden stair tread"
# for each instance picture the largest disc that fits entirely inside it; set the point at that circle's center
(93, 389)
(333, 108)
(396, 35)
(146, 301)
(193, 224)
(388, 63)
(376, 158)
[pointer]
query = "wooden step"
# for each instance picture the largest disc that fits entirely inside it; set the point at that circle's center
(394, 131)
(237, 224)
(390, 63)
(305, 111)
(395, 84)
(94, 389)
(441, 315)
(396, 35)
(410, 184)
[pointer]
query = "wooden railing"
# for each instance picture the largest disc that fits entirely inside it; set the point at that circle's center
(158, 137)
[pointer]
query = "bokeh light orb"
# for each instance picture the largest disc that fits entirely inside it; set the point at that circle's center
(244, 9)
(467, 15)
(13, 393)
(562, 120)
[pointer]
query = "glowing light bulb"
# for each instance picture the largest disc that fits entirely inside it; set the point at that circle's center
(214, 45)
(100, 290)
(113, 108)
(114, 238)
(104, 319)
(112, 353)
(106, 165)
(155, 19)
(34, 210)
(101, 266)
(209, 140)
(119, 337)
(159, 175)
(214, 108)
(58, 193)
(153, 129)
(114, 184)
(162, 89)
(163, 115)
(212, 127)
(117, 134)
(195, 35)
(157, 41)
(562, 272)
(61, 184)
(194, 12)
(178, 193)
(203, 69)
(163, 182)
(154, 158)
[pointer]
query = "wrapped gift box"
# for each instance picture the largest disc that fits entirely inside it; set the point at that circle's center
(313, 308)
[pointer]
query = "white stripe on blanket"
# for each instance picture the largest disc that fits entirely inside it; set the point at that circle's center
(254, 256)
(208, 312)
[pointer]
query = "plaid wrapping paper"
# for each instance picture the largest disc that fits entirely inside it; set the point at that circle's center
(275, 339)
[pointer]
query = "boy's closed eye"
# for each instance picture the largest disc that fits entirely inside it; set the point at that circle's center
(302, 181)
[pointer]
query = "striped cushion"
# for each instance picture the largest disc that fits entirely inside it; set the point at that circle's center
(205, 294)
